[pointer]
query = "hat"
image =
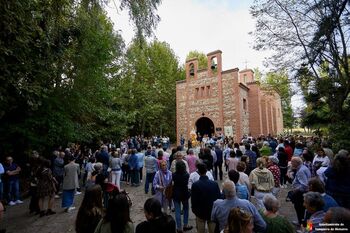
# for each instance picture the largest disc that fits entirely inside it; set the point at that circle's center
(273, 159)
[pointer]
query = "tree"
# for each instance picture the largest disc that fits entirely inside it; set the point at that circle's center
(309, 33)
(143, 15)
(308, 36)
(58, 62)
(279, 82)
(147, 88)
(202, 58)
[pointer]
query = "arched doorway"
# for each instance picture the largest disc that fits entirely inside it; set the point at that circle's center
(205, 126)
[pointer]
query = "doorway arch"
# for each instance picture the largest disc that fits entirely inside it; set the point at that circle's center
(205, 126)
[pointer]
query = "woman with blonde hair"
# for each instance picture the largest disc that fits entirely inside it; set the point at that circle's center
(261, 180)
(116, 169)
(239, 221)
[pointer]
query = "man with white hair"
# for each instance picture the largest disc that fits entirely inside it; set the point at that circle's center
(300, 186)
(275, 222)
(178, 157)
(221, 208)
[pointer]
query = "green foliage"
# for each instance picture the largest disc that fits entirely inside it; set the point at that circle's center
(146, 91)
(59, 62)
(279, 82)
(202, 58)
(143, 14)
(339, 134)
(311, 38)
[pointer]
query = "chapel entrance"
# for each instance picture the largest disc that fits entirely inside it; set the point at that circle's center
(205, 126)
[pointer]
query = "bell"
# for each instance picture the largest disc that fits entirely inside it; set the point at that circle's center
(213, 65)
(192, 71)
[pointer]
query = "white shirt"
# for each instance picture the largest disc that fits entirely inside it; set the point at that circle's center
(194, 176)
(324, 160)
(244, 179)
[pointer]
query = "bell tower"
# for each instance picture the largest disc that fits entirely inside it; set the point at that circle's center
(214, 63)
(191, 68)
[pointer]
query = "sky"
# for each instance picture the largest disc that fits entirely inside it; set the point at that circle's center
(205, 26)
(202, 25)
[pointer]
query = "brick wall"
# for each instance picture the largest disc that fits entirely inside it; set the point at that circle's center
(229, 98)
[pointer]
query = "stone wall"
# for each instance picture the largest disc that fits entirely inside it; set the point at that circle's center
(231, 99)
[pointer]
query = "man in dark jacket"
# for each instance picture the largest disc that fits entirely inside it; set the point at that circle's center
(203, 204)
(252, 158)
(218, 163)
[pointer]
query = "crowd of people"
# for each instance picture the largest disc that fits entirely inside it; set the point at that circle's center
(184, 179)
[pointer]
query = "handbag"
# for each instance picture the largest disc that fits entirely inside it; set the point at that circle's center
(168, 192)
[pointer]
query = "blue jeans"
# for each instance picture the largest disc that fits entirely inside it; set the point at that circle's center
(13, 190)
(177, 205)
(149, 179)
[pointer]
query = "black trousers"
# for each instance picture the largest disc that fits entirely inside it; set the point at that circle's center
(298, 201)
(34, 200)
(218, 168)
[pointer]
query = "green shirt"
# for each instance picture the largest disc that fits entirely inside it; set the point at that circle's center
(265, 151)
(278, 224)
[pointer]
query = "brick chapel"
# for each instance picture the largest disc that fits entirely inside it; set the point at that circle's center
(212, 101)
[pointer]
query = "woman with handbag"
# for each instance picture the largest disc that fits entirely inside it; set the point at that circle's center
(181, 196)
(46, 188)
(162, 179)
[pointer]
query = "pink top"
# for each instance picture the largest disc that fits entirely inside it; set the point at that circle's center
(232, 163)
(191, 161)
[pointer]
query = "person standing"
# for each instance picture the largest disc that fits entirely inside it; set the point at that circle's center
(218, 163)
(232, 161)
(181, 196)
(58, 171)
(103, 157)
(178, 157)
(202, 204)
(140, 162)
(262, 182)
(221, 208)
(252, 158)
(70, 183)
(116, 169)
(34, 164)
(151, 167)
(272, 166)
(283, 166)
(12, 171)
(191, 159)
(162, 179)
(46, 188)
(134, 168)
(338, 182)
(299, 187)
